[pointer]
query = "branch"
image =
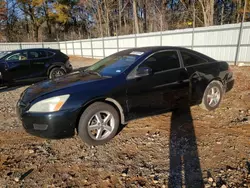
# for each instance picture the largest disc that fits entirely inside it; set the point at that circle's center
(124, 6)
(187, 9)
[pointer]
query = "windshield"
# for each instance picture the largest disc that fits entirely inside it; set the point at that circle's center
(2, 54)
(114, 64)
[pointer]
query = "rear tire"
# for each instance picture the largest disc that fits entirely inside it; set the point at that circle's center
(212, 96)
(56, 72)
(98, 124)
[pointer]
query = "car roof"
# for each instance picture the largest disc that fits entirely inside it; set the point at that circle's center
(153, 49)
(29, 49)
(156, 48)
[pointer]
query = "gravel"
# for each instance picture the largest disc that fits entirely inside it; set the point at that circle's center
(210, 150)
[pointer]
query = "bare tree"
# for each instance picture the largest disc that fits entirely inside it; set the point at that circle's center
(136, 23)
(34, 10)
(99, 17)
(208, 11)
(74, 19)
(107, 19)
(120, 13)
(47, 17)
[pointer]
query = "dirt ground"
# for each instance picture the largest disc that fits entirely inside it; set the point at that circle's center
(196, 149)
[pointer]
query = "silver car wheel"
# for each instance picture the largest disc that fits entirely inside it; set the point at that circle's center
(213, 96)
(101, 125)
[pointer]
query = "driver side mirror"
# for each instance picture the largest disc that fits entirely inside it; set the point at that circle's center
(143, 71)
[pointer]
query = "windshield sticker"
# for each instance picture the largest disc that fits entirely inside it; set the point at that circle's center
(118, 71)
(136, 53)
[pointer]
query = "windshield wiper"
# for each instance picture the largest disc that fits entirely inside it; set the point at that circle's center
(93, 72)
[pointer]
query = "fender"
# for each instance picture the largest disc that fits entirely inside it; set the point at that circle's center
(110, 100)
(4, 75)
(197, 85)
(57, 64)
(1, 79)
(117, 104)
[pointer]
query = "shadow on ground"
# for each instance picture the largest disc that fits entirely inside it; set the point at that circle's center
(184, 158)
(6, 89)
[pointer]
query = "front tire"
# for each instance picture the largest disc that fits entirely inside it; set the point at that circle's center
(98, 124)
(212, 96)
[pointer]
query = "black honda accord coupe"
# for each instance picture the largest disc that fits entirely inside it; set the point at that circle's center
(94, 102)
(32, 65)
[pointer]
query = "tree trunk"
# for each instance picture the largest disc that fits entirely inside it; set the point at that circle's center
(155, 20)
(99, 18)
(120, 14)
(239, 5)
(49, 27)
(207, 7)
(107, 18)
(204, 13)
(211, 12)
(26, 21)
(163, 15)
(111, 28)
(145, 16)
(27, 25)
(46, 8)
(136, 23)
(125, 23)
(222, 14)
(36, 28)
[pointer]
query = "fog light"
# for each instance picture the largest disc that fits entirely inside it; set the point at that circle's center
(40, 127)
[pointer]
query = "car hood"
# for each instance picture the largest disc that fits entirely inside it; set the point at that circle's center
(49, 86)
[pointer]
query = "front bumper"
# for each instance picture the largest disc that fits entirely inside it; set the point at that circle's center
(229, 85)
(53, 125)
(69, 68)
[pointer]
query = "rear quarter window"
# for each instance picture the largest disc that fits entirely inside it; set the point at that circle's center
(190, 59)
(50, 54)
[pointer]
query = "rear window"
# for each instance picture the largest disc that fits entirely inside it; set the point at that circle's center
(37, 54)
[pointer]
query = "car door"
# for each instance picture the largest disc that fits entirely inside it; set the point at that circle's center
(18, 66)
(199, 71)
(159, 90)
(39, 62)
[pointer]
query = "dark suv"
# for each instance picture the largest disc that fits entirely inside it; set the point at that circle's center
(32, 64)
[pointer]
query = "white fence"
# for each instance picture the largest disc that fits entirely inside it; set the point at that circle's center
(219, 42)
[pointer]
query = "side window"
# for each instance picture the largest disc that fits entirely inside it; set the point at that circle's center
(50, 54)
(162, 61)
(190, 59)
(17, 56)
(37, 54)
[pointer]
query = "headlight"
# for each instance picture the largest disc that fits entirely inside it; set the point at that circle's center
(52, 104)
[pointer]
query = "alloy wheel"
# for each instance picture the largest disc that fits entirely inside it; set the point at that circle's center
(213, 96)
(101, 125)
